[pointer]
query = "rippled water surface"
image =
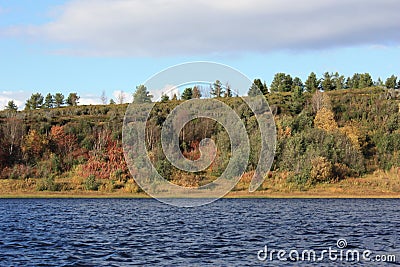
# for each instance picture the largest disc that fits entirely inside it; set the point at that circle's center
(229, 232)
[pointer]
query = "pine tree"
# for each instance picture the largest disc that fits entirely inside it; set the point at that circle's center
(228, 90)
(281, 83)
(35, 102)
(49, 101)
(261, 86)
(11, 106)
(164, 98)
(216, 89)
(327, 83)
(297, 85)
(391, 82)
(365, 81)
(253, 90)
(73, 99)
(187, 94)
(338, 81)
(312, 83)
(141, 95)
(59, 100)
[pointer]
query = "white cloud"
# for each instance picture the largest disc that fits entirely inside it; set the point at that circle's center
(170, 27)
(19, 98)
(123, 96)
(89, 100)
(169, 90)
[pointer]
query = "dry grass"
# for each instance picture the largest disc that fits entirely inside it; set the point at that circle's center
(377, 185)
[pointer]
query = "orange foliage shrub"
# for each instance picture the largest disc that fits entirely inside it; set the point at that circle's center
(106, 160)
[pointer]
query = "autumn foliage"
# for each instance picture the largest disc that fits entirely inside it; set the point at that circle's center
(106, 160)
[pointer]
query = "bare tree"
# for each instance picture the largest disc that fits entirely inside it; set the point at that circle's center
(103, 98)
(320, 100)
(121, 97)
(13, 130)
(206, 91)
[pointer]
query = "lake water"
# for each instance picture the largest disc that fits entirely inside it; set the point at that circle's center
(228, 232)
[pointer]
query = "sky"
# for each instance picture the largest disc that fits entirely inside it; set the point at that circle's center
(91, 46)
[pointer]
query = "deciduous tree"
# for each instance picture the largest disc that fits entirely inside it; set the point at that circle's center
(196, 92)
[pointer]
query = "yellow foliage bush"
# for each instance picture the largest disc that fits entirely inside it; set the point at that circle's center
(321, 170)
(353, 131)
(325, 120)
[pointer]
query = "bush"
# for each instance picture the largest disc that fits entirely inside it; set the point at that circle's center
(321, 170)
(91, 183)
(341, 171)
(48, 184)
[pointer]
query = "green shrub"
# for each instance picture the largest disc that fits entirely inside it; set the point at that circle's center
(48, 184)
(91, 183)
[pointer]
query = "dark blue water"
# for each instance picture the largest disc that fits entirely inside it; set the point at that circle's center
(229, 232)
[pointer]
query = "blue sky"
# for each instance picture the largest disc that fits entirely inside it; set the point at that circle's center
(92, 46)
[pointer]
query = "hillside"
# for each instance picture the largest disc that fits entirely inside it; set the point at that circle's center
(325, 140)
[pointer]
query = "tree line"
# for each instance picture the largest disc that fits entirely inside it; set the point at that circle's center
(37, 101)
(281, 82)
(322, 137)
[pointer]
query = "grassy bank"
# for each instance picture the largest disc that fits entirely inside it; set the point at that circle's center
(377, 185)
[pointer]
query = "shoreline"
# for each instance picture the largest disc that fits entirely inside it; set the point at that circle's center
(231, 195)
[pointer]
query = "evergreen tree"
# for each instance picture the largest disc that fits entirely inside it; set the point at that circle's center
(297, 85)
(354, 82)
(338, 81)
(49, 101)
(365, 81)
(141, 95)
(379, 82)
(327, 83)
(35, 102)
(228, 90)
(262, 86)
(11, 106)
(281, 83)
(216, 89)
(348, 83)
(59, 100)
(391, 82)
(312, 83)
(164, 98)
(253, 90)
(73, 99)
(112, 102)
(187, 94)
